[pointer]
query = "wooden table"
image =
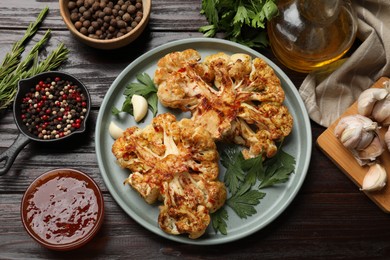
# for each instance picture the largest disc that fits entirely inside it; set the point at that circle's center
(329, 218)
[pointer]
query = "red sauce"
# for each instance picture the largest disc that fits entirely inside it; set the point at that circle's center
(62, 209)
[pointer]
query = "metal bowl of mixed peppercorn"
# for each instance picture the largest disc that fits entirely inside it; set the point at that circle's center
(49, 107)
(106, 24)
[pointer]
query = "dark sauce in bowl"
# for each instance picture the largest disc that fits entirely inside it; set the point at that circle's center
(62, 209)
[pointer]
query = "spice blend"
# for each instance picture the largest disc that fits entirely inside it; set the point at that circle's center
(53, 108)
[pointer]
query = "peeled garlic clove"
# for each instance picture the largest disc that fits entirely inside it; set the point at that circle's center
(375, 178)
(140, 107)
(115, 131)
(368, 98)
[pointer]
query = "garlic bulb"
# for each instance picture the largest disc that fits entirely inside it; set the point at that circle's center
(140, 107)
(355, 131)
(381, 111)
(372, 151)
(115, 131)
(375, 178)
(359, 135)
(375, 103)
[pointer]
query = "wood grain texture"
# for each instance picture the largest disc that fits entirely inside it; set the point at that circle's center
(344, 159)
(329, 219)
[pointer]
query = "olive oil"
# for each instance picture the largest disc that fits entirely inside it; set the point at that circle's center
(308, 34)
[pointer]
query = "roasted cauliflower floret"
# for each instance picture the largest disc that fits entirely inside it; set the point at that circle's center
(165, 156)
(189, 200)
(236, 98)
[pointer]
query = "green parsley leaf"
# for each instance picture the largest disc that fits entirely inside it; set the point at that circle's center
(208, 8)
(153, 103)
(270, 9)
(244, 204)
(241, 16)
(241, 21)
(145, 79)
(242, 175)
(127, 106)
(208, 30)
(231, 159)
(115, 111)
(137, 89)
(219, 221)
(278, 169)
(254, 169)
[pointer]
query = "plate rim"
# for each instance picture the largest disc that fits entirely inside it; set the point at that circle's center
(177, 43)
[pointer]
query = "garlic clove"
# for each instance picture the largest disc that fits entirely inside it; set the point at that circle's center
(372, 151)
(368, 98)
(340, 127)
(115, 131)
(140, 107)
(375, 178)
(365, 140)
(387, 138)
(352, 136)
(381, 111)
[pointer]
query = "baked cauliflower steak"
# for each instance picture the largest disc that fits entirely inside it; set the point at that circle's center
(175, 162)
(236, 98)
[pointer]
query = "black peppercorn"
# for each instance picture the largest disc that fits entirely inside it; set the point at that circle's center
(86, 23)
(71, 5)
(121, 24)
(87, 15)
(138, 19)
(126, 17)
(82, 9)
(78, 25)
(91, 30)
(74, 17)
(131, 9)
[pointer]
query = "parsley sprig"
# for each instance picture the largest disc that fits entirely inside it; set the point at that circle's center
(144, 87)
(244, 180)
(242, 21)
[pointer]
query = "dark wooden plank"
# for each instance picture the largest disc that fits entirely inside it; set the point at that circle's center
(165, 16)
(309, 227)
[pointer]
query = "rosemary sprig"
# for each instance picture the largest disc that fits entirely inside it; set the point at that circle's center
(13, 69)
(8, 83)
(8, 86)
(11, 59)
(33, 52)
(53, 61)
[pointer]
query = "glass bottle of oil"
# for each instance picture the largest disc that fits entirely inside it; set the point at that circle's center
(308, 34)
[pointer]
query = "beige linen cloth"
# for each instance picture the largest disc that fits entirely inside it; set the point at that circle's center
(326, 96)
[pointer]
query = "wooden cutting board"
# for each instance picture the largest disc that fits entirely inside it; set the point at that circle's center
(333, 148)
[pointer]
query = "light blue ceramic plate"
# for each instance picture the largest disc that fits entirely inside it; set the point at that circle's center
(277, 198)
